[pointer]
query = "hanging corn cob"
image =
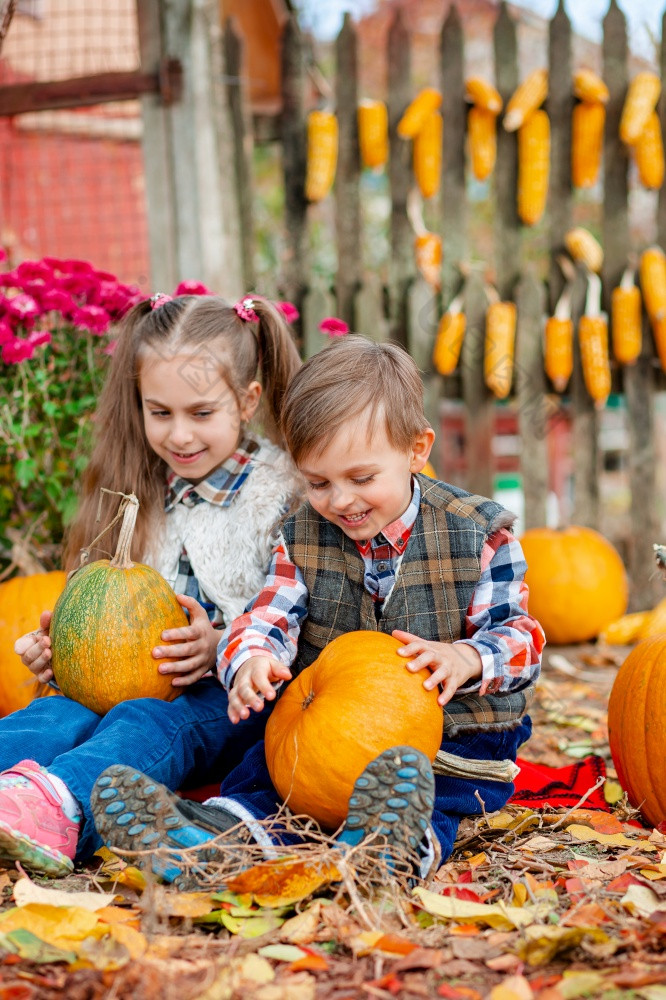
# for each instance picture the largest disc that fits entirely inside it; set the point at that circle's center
(450, 333)
(659, 333)
(483, 95)
(527, 97)
(322, 154)
(587, 142)
(558, 348)
(588, 86)
(533, 167)
(499, 347)
(593, 340)
(626, 319)
(482, 132)
(652, 273)
(427, 245)
(373, 133)
(427, 155)
(640, 102)
(649, 153)
(425, 102)
(582, 246)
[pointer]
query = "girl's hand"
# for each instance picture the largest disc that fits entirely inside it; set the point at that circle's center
(191, 650)
(253, 684)
(34, 648)
(451, 665)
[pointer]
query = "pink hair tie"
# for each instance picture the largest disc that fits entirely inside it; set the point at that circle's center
(158, 299)
(245, 309)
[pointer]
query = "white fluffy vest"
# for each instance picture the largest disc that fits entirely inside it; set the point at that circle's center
(230, 547)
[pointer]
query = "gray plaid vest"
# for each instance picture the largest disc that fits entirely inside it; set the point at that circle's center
(438, 574)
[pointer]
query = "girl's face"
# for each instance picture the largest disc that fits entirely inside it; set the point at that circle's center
(191, 417)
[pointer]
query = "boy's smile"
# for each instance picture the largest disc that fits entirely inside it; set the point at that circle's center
(360, 480)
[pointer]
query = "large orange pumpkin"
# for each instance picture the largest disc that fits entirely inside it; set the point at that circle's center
(105, 624)
(356, 700)
(22, 600)
(578, 584)
(636, 727)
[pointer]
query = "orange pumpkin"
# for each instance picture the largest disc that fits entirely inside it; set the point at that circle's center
(636, 727)
(578, 584)
(105, 624)
(22, 600)
(356, 700)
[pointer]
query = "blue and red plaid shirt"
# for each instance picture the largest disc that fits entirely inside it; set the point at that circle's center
(219, 488)
(498, 624)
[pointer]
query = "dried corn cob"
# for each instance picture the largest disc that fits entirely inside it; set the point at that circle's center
(640, 102)
(593, 340)
(500, 342)
(483, 94)
(558, 347)
(425, 102)
(373, 133)
(527, 97)
(427, 155)
(587, 142)
(626, 319)
(582, 246)
(482, 132)
(625, 630)
(533, 167)
(448, 342)
(652, 272)
(322, 154)
(588, 86)
(649, 153)
(428, 252)
(658, 324)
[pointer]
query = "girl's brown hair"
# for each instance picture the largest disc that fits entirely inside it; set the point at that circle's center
(222, 345)
(343, 380)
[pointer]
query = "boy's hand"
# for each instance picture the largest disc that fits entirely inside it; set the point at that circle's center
(34, 648)
(192, 648)
(253, 684)
(451, 665)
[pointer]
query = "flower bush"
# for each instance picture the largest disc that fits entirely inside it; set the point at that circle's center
(56, 324)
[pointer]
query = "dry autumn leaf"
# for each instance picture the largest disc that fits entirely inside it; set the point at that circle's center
(280, 883)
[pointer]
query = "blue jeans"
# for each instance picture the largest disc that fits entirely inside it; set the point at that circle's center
(169, 740)
(250, 785)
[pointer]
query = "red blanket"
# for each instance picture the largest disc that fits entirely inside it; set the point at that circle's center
(538, 785)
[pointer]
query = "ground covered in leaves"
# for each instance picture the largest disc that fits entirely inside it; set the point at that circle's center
(547, 904)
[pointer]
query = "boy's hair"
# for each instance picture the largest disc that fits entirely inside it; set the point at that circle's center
(339, 383)
(220, 345)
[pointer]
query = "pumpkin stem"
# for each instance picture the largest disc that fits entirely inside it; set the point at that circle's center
(307, 701)
(129, 508)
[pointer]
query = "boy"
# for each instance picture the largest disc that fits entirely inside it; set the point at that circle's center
(376, 546)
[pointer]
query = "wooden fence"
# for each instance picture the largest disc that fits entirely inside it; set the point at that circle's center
(405, 309)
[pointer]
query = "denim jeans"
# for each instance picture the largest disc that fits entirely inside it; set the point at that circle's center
(250, 785)
(170, 741)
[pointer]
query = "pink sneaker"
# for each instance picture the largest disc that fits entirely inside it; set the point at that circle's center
(33, 827)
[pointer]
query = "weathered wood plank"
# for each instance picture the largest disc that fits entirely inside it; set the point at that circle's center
(453, 197)
(661, 206)
(96, 88)
(241, 123)
(347, 198)
(585, 430)
(559, 106)
(370, 309)
(479, 406)
(531, 399)
(507, 224)
(317, 304)
(401, 263)
(295, 258)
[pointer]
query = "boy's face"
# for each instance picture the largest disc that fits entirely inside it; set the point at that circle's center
(360, 481)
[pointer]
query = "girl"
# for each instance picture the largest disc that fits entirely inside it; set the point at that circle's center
(173, 413)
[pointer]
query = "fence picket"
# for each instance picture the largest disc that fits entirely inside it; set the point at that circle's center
(479, 407)
(347, 199)
(295, 266)
(453, 197)
(559, 106)
(239, 111)
(401, 265)
(531, 399)
(507, 226)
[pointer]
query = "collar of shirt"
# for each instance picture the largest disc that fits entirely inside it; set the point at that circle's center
(221, 486)
(397, 533)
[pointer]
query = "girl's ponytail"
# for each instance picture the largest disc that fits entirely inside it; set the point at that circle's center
(278, 362)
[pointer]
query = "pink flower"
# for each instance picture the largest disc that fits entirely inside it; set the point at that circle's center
(289, 311)
(117, 298)
(192, 288)
(6, 332)
(39, 337)
(333, 326)
(8, 279)
(23, 308)
(55, 300)
(92, 318)
(3, 254)
(17, 350)
(29, 270)
(110, 347)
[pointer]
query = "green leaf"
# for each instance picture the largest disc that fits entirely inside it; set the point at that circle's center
(25, 471)
(28, 945)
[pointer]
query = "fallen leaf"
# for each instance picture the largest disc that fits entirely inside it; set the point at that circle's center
(311, 962)
(26, 891)
(578, 984)
(282, 952)
(513, 988)
(29, 946)
(497, 915)
(613, 791)
(302, 928)
(585, 834)
(541, 943)
(640, 899)
(279, 883)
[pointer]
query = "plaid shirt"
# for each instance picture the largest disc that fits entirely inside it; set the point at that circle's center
(220, 489)
(498, 625)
